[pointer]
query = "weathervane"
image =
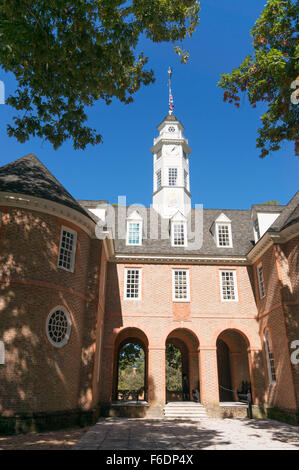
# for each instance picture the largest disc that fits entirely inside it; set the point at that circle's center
(170, 93)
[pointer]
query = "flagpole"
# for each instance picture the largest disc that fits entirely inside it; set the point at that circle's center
(170, 92)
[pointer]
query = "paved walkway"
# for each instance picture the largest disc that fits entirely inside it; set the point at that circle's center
(150, 434)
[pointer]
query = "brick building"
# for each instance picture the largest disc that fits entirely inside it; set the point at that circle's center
(80, 279)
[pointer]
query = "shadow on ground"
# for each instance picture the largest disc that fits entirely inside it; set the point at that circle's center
(279, 431)
(126, 434)
(56, 440)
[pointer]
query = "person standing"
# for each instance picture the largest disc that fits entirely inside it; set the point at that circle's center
(185, 388)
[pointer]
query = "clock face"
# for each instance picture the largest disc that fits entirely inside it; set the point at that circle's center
(172, 150)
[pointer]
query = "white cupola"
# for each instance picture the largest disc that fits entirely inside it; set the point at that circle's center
(171, 191)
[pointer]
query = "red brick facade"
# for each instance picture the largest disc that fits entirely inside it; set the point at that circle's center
(38, 377)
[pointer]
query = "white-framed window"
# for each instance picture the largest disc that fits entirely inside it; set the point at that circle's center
(270, 357)
(178, 234)
(180, 285)
(224, 235)
(228, 285)
(172, 176)
(260, 279)
(132, 284)
(158, 179)
(134, 233)
(58, 326)
(67, 249)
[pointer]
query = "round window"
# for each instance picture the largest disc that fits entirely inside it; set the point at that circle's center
(58, 327)
(171, 129)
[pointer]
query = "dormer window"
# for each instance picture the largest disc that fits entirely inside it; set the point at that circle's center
(223, 235)
(172, 176)
(134, 229)
(223, 232)
(178, 230)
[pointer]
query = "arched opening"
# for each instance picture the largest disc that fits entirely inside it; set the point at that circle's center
(131, 366)
(233, 366)
(182, 366)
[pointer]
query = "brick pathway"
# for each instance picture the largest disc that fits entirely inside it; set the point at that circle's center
(147, 434)
(54, 440)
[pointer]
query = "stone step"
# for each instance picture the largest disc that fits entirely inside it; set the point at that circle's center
(184, 410)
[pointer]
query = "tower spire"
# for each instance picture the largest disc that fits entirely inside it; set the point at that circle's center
(171, 107)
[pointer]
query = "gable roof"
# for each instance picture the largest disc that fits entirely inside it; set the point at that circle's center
(288, 216)
(29, 176)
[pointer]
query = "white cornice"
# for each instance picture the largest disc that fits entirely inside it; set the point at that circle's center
(269, 238)
(182, 259)
(48, 207)
(160, 141)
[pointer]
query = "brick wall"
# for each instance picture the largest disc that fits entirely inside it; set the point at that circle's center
(204, 318)
(37, 376)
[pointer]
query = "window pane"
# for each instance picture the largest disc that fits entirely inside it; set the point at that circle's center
(223, 235)
(181, 287)
(132, 284)
(67, 248)
(134, 233)
(172, 176)
(228, 285)
(179, 234)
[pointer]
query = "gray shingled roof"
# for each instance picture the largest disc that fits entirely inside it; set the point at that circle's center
(170, 117)
(242, 234)
(288, 216)
(29, 176)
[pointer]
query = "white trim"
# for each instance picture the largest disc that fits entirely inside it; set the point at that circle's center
(69, 326)
(134, 221)
(236, 299)
(45, 206)
(184, 225)
(73, 252)
(187, 299)
(260, 280)
(188, 258)
(228, 225)
(139, 283)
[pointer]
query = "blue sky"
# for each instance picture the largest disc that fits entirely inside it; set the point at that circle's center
(225, 169)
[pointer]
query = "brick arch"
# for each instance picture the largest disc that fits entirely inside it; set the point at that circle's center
(233, 363)
(244, 332)
(129, 335)
(232, 342)
(186, 336)
(188, 343)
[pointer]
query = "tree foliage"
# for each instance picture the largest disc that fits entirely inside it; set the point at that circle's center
(67, 54)
(131, 367)
(268, 74)
(173, 368)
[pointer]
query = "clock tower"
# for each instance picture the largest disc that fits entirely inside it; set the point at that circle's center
(171, 191)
